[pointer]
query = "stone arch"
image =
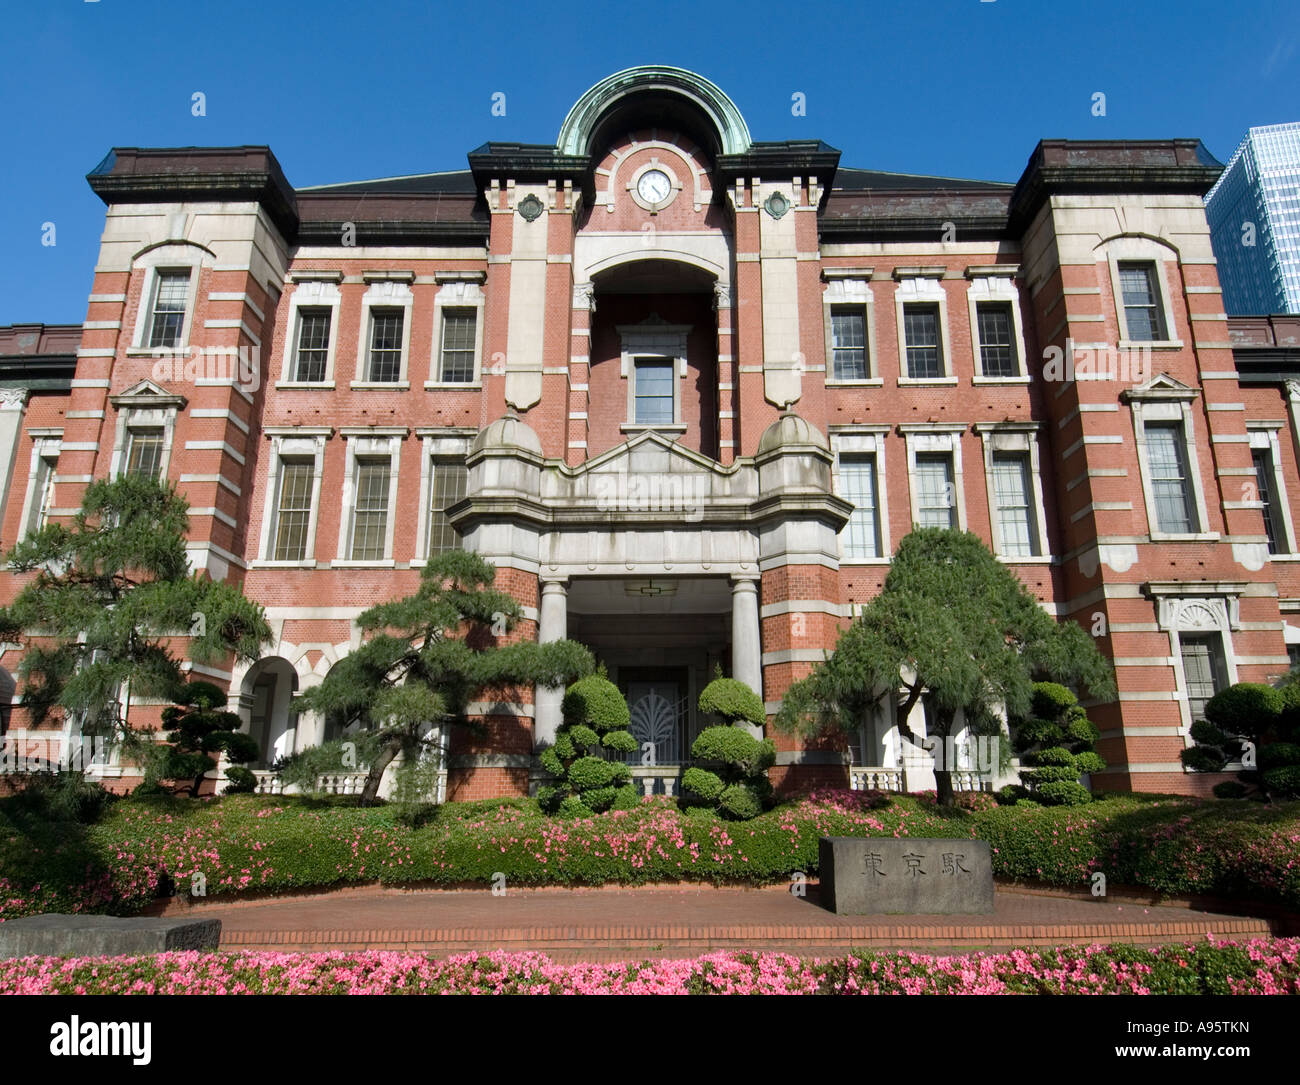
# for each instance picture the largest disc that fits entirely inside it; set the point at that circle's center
(265, 706)
(634, 91)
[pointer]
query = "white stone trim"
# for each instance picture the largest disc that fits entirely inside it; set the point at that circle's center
(291, 443)
(998, 289)
(924, 289)
(1176, 408)
(310, 294)
(457, 295)
(653, 341)
(45, 448)
(851, 293)
(1022, 438)
(380, 444)
(1265, 435)
(937, 437)
(174, 256)
(1138, 250)
(445, 444)
(384, 294)
(864, 440)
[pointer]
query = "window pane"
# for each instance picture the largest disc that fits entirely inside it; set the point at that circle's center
(294, 510)
(921, 332)
(849, 344)
(144, 452)
(858, 484)
(370, 520)
(385, 344)
(313, 344)
(1167, 459)
(169, 308)
(1264, 480)
(936, 497)
(447, 487)
(1204, 669)
(43, 491)
(1017, 526)
(1142, 315)
(654, 391)
(458, 345)
(997, 347)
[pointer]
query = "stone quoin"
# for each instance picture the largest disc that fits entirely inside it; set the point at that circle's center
(686, 390)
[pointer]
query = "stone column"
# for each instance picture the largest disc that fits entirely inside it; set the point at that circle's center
(746, 642)
(13, 405)
(552, 625)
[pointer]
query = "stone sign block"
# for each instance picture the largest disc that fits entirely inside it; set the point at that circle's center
(889, 876)
(56, 935)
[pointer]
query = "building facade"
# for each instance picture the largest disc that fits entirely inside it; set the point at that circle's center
(1254, 214)
(687, 391)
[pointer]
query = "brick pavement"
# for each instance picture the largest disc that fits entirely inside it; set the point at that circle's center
(606, 924)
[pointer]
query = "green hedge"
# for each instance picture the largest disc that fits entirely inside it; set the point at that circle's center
(246, 843)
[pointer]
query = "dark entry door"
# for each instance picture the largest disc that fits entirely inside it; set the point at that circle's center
(659, 716)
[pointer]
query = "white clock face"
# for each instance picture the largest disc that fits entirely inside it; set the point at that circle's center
(654, 186)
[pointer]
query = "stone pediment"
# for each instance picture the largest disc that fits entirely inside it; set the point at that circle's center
(1161, 386)
(650, 473)
(651, 451)
(146, 393)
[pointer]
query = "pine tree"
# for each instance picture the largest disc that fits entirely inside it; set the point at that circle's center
(427, 655)
(955, 626)
(108, 598)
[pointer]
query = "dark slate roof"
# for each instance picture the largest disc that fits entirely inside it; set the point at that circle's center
(417, 184)
(855, 180)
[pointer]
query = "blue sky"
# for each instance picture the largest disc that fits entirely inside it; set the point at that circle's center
(343, 90)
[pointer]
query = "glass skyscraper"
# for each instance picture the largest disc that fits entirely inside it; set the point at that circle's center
(1254, 215)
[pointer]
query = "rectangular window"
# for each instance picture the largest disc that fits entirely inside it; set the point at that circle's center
(144, 450)
(313, 345)
(458, 329)
(858, 485)
(1293, 655)
(997, 340)
(1167, 459)
(1017, 523)
(848, 344)
(921, 333)
(654, 391)
(385, 345)
(42, 492)
(936, 496)
(293, 511)
(447, 486)
(1143, 319)
(1204, 669)
(370, 512)
(167, 321)
(1268, 497)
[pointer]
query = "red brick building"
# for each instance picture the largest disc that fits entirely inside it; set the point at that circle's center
(687, 391)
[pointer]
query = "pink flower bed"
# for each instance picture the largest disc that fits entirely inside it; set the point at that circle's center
(1262, 966)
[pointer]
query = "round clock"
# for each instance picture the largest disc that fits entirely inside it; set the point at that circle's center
(654, 186)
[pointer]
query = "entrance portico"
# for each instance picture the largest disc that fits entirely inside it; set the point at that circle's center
(665, 563)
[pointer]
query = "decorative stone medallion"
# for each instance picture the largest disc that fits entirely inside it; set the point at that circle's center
(776, 205)
(530, 207)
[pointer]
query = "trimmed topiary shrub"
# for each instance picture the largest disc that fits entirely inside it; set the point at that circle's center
(242, 781)
(587, 778)
(198, 726)
(730, 774)
(1056, 747)
(1258, 727)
